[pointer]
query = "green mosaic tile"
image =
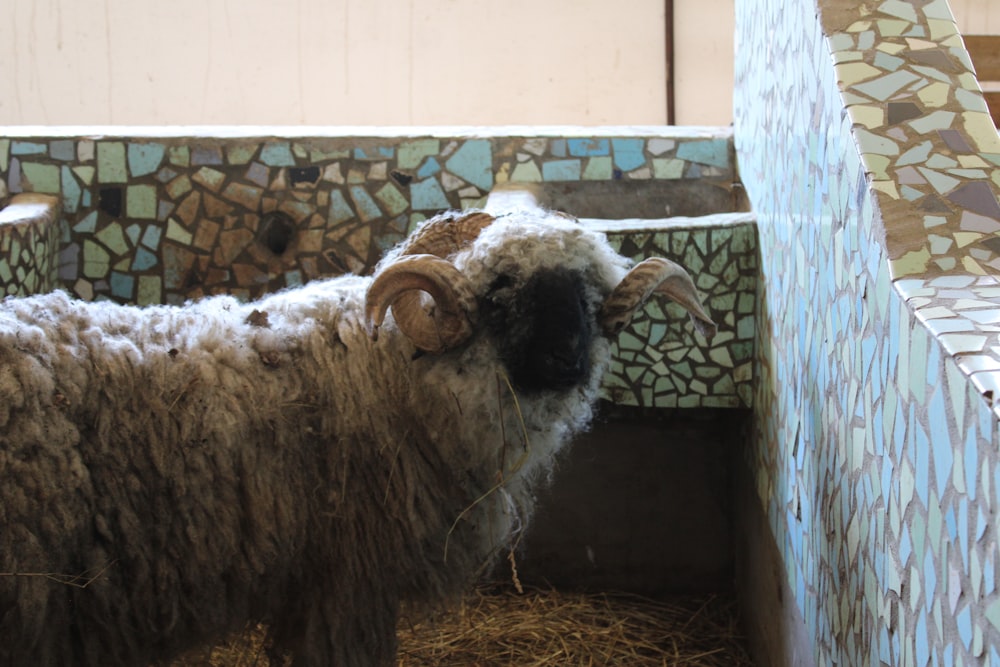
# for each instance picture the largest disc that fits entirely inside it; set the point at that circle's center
(179, 155)
(412, 153)
(937, 120)
(40, 177)
(393, 200)
(141, 201)
(526, 172)
(322, 154)
(175, 232)
(85, 174)
(111, 162)
(96, 260)
(240, 154)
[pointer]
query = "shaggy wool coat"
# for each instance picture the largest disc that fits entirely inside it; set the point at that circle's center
(170, 474)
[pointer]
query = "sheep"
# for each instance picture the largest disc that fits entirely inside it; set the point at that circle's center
(316, 460)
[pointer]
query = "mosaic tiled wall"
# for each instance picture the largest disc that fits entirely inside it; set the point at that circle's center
(152, 219)
(659, 361)
(875, 448)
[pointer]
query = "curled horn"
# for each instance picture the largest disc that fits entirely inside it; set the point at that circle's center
(448, 322)
(653, 275)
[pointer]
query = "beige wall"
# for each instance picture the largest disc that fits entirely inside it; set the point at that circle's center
(326, 62)
(703, 61)
(372, 62)
(367, 62)
(977, 17)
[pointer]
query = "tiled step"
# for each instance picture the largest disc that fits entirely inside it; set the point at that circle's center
(29, 244)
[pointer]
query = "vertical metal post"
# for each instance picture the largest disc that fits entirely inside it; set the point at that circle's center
(669, 43)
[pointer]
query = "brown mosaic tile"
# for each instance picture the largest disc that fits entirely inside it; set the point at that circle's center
(955, 141)
(899, 112)
(189, 208)
(247, 196)
(215, 207)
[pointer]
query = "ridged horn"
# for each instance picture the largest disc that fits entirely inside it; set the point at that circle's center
(441, 325)
(441, 237)
(447, 233)
(653, 275)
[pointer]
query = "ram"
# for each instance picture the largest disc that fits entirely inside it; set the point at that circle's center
(312, 460)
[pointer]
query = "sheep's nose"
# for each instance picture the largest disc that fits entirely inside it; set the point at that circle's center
(566, 364)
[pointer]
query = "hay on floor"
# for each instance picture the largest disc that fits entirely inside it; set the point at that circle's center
(499, 627)
(549, 628)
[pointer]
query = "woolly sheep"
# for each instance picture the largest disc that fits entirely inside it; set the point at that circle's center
(307, 460)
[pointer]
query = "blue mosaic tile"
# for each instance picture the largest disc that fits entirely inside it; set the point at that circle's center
(710, 152)
(375, 153)
(628, 153)
(256, 173)
(589, 147)
(28, 148)
(561, 170)
(63, 150)
(340, 210)
(366, 207)
(71, 190)
(277, 154)
(87, 225)
(206, 155)
(14, 176)
(427, 195)
(429, 168)
(144, 260)
(122, 285)
(133, 232)
(473, 162)
(144, 158)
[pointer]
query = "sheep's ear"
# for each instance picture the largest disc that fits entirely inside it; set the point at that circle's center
(437, 324)
(659, 276)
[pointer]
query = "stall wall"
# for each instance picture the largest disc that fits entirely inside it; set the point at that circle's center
(871, 163)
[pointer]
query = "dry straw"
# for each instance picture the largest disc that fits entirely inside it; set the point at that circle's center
(500, 627)
(549, 628)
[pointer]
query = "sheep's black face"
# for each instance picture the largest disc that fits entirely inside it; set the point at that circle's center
(543, 329)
